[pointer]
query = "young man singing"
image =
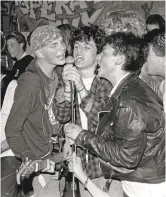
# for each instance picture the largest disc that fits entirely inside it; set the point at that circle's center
(33, 117)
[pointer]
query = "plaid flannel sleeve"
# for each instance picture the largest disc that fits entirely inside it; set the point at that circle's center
(96, 99)
(62, 107)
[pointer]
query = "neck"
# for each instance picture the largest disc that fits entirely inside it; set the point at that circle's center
(20, 55)
(117, 76)
(87, 73)
(47, 68)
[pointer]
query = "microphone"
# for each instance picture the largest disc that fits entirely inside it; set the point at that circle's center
(70, 60)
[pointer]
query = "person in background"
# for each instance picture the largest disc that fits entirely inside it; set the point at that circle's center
(94, 190)
(16, 46)
(33, 117)
(155, 21)
(66, 31)
(4, 82)
(155, 54)
(130, 139)
(129, 21)
(9, 163)
(154, 81)
(90, 94)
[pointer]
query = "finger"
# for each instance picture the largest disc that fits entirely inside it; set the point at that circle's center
(67, 125)
(72, 71)
(71, 142)
(47, 166)
(67, 66)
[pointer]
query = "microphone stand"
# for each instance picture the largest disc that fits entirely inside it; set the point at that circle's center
(72, 97)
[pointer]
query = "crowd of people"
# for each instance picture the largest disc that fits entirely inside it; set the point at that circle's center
(119, 106)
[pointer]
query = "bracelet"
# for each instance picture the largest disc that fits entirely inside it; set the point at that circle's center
(86, 182)
(66, 91)
(80, 89)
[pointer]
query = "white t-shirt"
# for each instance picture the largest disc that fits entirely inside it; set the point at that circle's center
(5, 111)
(84, 121)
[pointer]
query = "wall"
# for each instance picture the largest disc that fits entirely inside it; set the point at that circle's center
(25, 15)
(78, 12)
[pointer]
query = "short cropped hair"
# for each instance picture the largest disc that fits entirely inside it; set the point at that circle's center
(20, 38)
(86, 33)
(156, 19)
(123, 21)
(128, 45)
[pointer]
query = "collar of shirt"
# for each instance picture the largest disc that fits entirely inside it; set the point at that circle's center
(116, 85)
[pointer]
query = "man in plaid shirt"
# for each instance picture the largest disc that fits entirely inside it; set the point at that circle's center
(91, 94)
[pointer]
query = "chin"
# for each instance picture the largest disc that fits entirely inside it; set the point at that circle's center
(60, 62)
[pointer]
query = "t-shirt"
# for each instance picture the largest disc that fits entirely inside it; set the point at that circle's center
(84, 121)
(20, 66)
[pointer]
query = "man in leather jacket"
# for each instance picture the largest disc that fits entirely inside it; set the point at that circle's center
(130, 138)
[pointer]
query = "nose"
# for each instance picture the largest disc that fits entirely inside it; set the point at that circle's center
(8, 47)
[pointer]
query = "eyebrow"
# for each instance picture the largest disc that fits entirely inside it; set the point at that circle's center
(77, 42)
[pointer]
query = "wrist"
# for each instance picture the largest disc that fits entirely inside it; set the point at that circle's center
(80, 89)
(85, 182)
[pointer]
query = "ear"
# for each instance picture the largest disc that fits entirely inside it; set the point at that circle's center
(120, 60)
(39, 53)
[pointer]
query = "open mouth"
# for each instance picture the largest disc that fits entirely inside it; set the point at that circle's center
(79, 58)
(61, 56)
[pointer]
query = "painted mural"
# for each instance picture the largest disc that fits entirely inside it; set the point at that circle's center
(31, 13)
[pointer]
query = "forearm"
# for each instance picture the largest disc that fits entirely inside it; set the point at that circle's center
(63, 111)
(18, 145)
(93, 188)
(126, 154)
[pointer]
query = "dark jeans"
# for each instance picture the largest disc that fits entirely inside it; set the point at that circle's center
(9, 187)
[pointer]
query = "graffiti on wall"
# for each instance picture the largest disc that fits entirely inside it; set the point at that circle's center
(8, 16)
(58, 12)
(74, 12)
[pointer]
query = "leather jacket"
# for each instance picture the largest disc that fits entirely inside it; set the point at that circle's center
(130, 135)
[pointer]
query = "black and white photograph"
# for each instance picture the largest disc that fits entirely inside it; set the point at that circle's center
(83, 98)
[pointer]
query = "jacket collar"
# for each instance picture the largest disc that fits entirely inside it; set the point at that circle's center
(129, 79)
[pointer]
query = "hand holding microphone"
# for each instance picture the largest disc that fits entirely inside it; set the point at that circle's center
(69, 64)
(71, 75)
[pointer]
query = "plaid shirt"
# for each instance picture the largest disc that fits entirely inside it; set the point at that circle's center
(91, 105)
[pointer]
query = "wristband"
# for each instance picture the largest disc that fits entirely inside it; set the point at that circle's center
(66, 91)
(86, 182)
(80, 89)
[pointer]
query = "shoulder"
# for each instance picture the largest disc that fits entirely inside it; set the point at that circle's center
(102, 84)
(29, 79)
(13, 84)
(141, 99)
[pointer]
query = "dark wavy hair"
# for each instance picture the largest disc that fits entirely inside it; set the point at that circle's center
(86, 33)
(129, 45)
(156, 39)
(19, 38)
(156, 19)
(66, 31)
